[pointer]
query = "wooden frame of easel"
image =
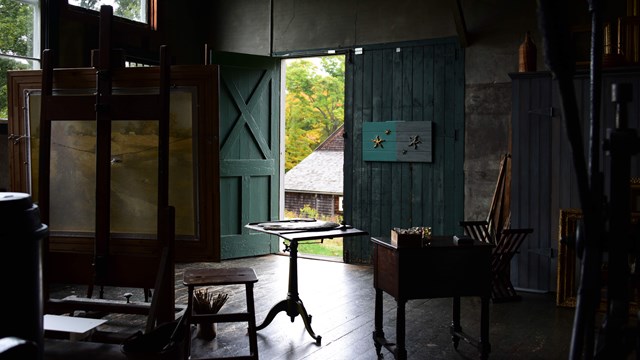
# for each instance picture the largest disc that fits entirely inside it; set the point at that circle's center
(106, 107)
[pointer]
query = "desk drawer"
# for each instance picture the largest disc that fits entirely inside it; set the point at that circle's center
(433, 272)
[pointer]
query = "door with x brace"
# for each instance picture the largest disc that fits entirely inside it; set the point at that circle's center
(249, 151)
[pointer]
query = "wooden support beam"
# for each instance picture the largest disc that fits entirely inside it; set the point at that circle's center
(461, 27)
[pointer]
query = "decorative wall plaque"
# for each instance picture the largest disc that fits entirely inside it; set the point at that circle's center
(397, 141)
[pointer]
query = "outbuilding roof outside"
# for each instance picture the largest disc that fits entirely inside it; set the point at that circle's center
(322, 171)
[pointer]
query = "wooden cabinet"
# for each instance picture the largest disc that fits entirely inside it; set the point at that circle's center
(543, 179)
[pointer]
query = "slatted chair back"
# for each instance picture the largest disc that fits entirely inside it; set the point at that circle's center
(478, 230)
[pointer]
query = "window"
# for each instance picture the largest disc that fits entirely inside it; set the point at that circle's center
(135, 10)
(19, 42)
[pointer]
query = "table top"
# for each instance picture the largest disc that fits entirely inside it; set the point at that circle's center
(301, 234)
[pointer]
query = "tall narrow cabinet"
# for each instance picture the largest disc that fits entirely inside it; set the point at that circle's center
(543, 177)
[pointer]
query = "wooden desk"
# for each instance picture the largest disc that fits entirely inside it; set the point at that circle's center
(292, 304)
(440, 269)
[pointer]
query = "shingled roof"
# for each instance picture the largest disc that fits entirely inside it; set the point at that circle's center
(321, 171)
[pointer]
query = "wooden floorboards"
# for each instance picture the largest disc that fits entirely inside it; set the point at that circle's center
(340, 299)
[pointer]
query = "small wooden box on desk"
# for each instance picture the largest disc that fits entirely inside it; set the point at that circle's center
(406, 240)
(438, 269)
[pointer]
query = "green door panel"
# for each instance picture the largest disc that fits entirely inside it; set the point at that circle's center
(249, 151)
(417, 81)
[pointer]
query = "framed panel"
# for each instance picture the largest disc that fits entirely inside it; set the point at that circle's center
(193, 173)
(569, 266)
(133, 163)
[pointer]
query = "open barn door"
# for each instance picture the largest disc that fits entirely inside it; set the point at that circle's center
(249, 151)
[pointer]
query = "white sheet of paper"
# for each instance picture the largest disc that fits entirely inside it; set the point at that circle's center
(70, 324)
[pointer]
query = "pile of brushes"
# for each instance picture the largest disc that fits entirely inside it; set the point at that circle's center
(206, 302)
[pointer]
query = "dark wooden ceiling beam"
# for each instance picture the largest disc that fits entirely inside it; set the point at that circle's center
(461, 26)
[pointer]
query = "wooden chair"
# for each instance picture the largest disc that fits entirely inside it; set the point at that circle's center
(193, 278)
(506, 247)
(478, 230)
(507, 242)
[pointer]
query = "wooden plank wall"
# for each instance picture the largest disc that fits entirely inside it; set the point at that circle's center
(530, 169)
(404, 82)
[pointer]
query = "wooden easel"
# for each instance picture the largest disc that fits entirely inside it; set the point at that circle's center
(106, 107)
(499, 213)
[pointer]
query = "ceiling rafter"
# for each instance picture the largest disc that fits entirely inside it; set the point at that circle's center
(461, 26)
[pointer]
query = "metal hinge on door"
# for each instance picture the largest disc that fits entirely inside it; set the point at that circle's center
(16, 138)
(547, 111)
(546, 252)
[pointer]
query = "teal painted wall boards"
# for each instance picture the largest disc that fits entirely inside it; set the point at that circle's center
(409, 82)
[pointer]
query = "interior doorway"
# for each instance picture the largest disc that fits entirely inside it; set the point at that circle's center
(313, 119)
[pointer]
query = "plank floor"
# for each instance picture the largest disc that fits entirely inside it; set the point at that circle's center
(340, 299)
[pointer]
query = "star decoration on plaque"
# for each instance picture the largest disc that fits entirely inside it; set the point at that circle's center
(414, 141)
(378, 142)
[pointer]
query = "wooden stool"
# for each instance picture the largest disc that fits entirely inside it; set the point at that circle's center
(217, 277)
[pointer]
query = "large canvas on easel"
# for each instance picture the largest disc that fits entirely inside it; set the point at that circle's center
(134, 160)
(193, 163)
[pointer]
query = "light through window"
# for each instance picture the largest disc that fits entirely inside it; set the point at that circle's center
(19, 41)
(135, 10)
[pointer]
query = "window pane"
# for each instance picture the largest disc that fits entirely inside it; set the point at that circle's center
(19, 41)
(135, 10)
(17, 28)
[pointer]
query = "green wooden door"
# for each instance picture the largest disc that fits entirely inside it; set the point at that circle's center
(404, 82)
(249, 151)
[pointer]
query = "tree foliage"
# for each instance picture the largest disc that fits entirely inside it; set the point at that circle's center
(128, 9)
(314, 105)
(16, 38)
(87, 4)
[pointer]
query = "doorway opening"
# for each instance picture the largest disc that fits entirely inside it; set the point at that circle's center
(314, 146)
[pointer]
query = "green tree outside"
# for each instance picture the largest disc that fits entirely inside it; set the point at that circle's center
(314, 105)
(128, 9)
(16, 38)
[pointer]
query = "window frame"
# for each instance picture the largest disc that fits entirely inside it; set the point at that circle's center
(138, 40)
(37, 35)
(34, 58)
(152, 15)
